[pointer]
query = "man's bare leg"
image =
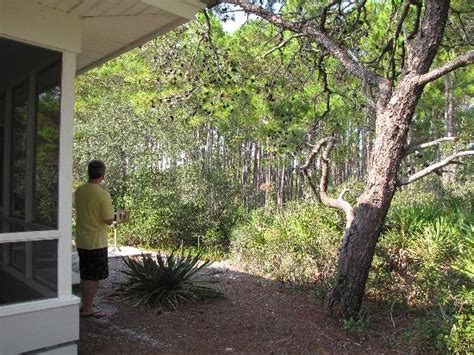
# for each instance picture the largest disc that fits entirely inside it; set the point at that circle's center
(88, 293)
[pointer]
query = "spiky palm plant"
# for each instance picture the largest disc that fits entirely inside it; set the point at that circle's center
(167, 281)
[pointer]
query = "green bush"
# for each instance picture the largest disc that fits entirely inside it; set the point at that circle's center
(187, 206)
(298, 244)
(425, 242)
(460, 338)
(425, 259)
(165, 282)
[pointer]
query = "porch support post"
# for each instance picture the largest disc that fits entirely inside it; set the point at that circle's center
(65, 174)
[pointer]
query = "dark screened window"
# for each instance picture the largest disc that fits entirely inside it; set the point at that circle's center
(30, 96)
(17, 256)
(28, 271)
(47, 147)
(2, 132)
(18, 173)
(33, 152)
(45, 262)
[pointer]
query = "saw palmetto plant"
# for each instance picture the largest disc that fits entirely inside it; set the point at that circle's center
(166, 281)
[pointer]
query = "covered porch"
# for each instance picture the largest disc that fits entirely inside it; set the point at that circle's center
(44, 44)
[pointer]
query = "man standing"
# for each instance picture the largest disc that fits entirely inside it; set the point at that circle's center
(94, 213)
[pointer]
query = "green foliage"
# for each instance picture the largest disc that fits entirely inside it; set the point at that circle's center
(167, 281)
(298, 244)
(359, 327)
(179, 206)
(426, 243)
(191, 130)
(424, 259)
(460, 339)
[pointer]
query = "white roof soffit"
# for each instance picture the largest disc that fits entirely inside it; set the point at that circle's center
(112, 27)
(185, 8)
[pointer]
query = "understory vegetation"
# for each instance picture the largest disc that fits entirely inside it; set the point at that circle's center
(204, 134)
(424, 261)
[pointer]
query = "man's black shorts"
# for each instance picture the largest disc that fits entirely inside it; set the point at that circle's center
(93, 264)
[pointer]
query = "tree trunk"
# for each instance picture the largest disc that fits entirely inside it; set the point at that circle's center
(281, 184)
(450, 124)
(362, 236)
(450, 121)
(245, 173)
(393, 116)
(256, 172)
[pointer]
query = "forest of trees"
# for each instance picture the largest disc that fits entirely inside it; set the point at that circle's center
(201, 128)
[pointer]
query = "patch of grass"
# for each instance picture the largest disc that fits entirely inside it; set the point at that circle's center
(207, 253)
(359, 327)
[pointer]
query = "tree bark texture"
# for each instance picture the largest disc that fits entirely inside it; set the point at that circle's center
(395, 109)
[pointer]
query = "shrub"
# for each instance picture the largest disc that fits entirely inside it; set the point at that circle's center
(298, 244)
(177, 206)
(460, 338)
(424, 258)
(426, 238)
(166, 281)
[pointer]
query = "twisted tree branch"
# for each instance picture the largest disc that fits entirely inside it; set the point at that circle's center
(338, 51)
(282, 44)
(314, 152)
(392, 44)
(208, 37)
(326, 145)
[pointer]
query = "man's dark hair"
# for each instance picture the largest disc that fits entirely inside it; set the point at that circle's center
(95, 169)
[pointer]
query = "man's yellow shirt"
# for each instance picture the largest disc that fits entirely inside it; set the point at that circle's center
(93, 207)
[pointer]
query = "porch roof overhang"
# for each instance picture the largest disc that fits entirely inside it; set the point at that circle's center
(112, 27)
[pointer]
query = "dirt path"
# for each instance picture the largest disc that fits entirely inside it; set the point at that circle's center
(256, 315)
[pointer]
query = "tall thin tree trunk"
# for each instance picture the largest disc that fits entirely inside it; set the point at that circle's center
(245, 172)
(450, 124)
(281, 184)
(256, 168)
(450, 120)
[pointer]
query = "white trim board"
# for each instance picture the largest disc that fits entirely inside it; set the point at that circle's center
(29, 236)
(30, 22)
(38, 326)
(65, 174)
(40, 305)
(184, 8)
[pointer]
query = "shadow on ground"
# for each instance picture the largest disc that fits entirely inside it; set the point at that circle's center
(256, 315)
